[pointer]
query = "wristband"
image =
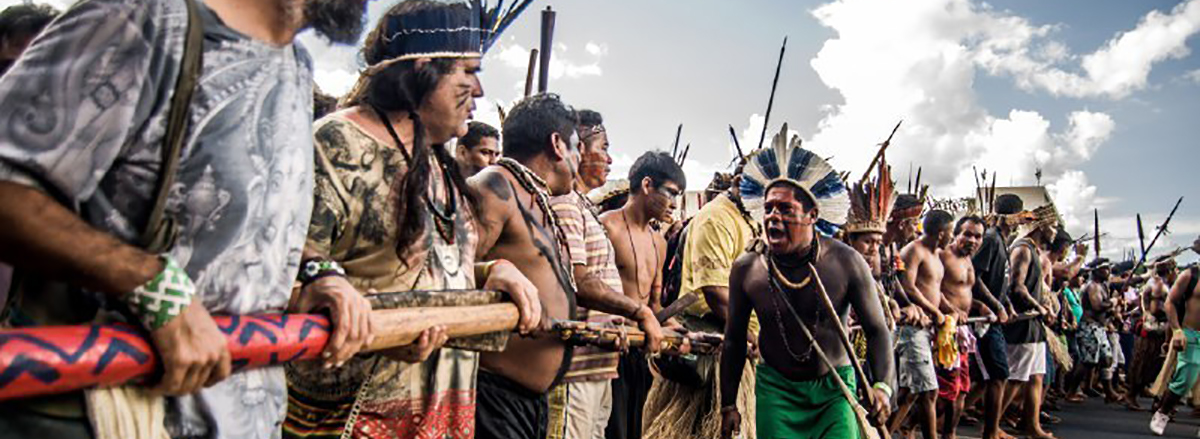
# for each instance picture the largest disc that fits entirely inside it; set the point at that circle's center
(887, 390)
(487, 268)
(163, 298)
(313, 269)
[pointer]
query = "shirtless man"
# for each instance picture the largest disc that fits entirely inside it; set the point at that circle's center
(1183, 313)
(656, 182)
(518, 225)
(1148, 352)
(922, 282)
(957, 287)
(796, 392)
(1094, 348)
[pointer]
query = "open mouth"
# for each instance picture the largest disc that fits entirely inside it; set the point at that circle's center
(775, 230)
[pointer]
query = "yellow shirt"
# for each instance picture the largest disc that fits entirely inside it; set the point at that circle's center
(717, 236)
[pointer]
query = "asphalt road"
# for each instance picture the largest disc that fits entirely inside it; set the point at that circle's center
(1095, 420)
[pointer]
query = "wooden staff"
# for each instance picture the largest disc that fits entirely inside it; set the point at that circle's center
(676, 307)
(610, 336)
(533, 59)
(843, 335)
(548, 16)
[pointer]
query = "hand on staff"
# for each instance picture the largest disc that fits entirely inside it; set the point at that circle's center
(349, 312)
(649, 324)
(505, 277)
(193, 352)
(1001, 316)
(1179, 342)
(430, 340)
(731, 422)
(881, 407)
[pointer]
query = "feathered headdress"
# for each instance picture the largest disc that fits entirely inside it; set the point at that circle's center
(786, 162)
(460, 29)
(612, 194)
(1044, 216)
(871, 202)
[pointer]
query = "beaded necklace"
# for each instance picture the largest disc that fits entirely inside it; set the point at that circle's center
(777, 283)
(538, 187)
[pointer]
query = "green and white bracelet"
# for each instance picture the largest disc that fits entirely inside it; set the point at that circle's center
(164, 297)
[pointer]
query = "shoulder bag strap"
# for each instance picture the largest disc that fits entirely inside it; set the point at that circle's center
(160, 231)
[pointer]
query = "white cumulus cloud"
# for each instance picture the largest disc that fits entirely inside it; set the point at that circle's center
(516, 56)
(927, 79)
(1120, 67)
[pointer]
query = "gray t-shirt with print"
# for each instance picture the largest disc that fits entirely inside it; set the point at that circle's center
(83, 116)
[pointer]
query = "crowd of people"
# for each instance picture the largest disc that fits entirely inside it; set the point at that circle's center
(162, 162)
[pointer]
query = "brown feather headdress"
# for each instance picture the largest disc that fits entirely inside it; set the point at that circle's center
(871, 202)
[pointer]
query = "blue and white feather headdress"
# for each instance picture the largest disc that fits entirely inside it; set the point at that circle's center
(785, 162)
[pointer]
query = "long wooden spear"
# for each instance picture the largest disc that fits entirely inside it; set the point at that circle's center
(879, 155)
(1161, 230)
(771, 99)
(741, 157)
(1141, 236)
(675, 146)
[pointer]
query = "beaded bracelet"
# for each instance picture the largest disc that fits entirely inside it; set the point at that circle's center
(163, 298)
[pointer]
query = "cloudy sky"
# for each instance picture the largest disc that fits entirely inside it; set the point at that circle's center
(1102, 95)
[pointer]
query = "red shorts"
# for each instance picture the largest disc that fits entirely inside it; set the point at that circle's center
(955, 382)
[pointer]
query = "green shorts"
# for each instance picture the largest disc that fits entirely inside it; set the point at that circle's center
(814, 409)
(1187, 364)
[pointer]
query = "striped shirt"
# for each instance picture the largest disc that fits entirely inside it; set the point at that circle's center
(589, 246)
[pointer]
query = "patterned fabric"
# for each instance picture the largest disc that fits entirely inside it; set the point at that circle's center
(718, 235)
(83, 117)
(353, 223)
(914, 349)
(589, 246)
(1093, 343)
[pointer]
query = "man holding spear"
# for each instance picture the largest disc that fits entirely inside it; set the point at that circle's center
(799, 394)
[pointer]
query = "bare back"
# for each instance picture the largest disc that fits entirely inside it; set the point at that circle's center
(513, 227)
(1191, 300)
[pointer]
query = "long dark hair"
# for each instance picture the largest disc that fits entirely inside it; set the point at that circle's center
(402, 86)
